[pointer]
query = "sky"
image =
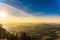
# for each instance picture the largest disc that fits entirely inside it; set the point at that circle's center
(31, 11)
(36, 7)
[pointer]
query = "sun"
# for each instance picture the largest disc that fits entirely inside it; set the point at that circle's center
(3, 15)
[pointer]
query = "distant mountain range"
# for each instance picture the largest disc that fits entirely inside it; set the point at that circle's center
(34, 27)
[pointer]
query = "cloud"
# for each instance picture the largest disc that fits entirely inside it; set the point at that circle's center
(17, 15)
(14, 11)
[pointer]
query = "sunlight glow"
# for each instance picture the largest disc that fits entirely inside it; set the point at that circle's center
(3, 15)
